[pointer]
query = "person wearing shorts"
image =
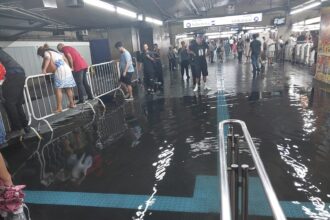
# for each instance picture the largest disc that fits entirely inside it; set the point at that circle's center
(199, 49)
(126, 70)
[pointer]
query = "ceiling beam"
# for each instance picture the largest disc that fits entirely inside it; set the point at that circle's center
(16, 17)
(163, 11)
(16, 36)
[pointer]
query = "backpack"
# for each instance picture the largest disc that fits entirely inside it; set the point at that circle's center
(2, 72)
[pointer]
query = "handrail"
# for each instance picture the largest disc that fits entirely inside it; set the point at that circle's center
(225, 195)
(224, 186)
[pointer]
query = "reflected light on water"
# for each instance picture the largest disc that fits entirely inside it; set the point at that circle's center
(308, 116)
(303, 184)
(301, 171)
(203, 147)
(164, 161)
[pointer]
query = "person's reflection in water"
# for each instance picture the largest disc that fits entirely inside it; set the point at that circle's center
(255, 93)
(311, 99)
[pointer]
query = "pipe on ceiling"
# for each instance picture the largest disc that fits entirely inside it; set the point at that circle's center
(192, 3)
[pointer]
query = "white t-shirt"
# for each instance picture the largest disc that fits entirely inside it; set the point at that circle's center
(57, 58)
(271, 45)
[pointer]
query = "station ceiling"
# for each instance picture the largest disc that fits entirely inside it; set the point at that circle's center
(16, 19)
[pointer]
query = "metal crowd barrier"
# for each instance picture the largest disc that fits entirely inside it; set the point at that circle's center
(229, 190)
(104, 79)
(39, 92)
(39, 95)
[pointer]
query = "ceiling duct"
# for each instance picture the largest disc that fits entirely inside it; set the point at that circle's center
(39, 4)
(74, 3)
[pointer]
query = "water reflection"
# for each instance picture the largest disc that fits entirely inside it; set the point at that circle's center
(71, 157)
(291, 155)
(164, 161)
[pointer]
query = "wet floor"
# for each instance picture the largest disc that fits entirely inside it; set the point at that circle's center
(156, 158)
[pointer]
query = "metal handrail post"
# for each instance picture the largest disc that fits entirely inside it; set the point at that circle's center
(245, 192)
(269, 191)
(234, 190)
(224, 186)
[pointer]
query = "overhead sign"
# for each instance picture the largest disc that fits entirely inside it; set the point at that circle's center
(236, 19)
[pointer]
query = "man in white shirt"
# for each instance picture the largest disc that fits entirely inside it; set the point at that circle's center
(271, 50)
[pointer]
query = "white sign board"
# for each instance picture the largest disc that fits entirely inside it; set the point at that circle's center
(236, 19)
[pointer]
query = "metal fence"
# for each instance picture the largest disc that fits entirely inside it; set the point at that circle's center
(40, 98)
(104, 78)
(39, 94)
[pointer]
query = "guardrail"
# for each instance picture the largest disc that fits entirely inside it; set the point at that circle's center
(230, 192)
(104, 78)
(39, 95)
(39, 91)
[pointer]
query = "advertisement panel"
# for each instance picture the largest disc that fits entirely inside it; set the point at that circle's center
(323, 58)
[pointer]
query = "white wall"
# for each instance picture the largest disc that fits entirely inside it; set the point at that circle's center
(25, 53)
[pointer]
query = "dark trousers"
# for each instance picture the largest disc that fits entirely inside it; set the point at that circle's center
(172, 64)
(12, 91)
(149, 80)
(193, 73)
(240, 55)
(185, 67)
(255, 63)
(82, 84)
(159, 72)
(212, 57)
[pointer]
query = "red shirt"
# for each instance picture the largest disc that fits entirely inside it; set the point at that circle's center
(78, 61)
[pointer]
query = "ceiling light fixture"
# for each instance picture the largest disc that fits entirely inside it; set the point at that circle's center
(256, 31)
(305, 7)
(154, 21)
(313, 20)
(140, 17)
(126, 12)
(101, 4)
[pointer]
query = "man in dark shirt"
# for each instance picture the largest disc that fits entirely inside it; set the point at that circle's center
(255, 48)
(148, 69)
(184, 59)
(199, 49)
(158, 66)
(12, 90)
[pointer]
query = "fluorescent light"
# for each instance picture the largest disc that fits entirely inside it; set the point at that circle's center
(181, 36)
(188, 38)
(126, 12)
(140, 17)
(311, 27)
(214, 36)
(248, 28)
(100, 4)
(256, 31)
(228, 32)
(304, 8)
(219, 36)
(211, 34)
(220, 33)
(153, 20)
(313, 20)
(302, 23)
